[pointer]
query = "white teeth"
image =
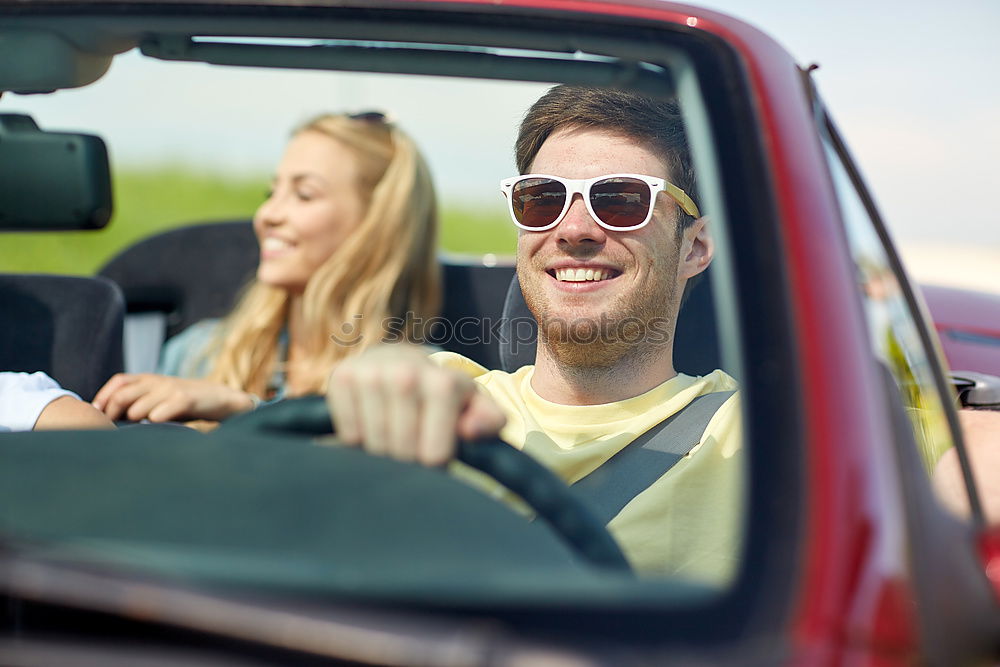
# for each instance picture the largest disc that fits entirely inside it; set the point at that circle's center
(581, 275)
(274, 243)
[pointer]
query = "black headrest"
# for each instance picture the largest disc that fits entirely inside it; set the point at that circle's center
(696, 341)
(67, 326)
(190, 273)
(518, 330)
(472, 305)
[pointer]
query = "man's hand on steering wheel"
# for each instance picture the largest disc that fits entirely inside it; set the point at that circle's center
(394, 401)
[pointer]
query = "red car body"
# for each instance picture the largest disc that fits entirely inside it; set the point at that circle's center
(876, 573)
(968, 326)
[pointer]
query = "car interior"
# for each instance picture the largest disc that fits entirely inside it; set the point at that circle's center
(257, 511)
(155, 288)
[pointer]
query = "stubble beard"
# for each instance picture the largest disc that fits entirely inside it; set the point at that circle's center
(632, 331)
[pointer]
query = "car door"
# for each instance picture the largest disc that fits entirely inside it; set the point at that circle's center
(953, 604)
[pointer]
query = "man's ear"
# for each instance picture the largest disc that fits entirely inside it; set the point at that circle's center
(697, 249)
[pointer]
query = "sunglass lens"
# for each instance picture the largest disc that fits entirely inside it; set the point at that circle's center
(620, 201)
(537, 202)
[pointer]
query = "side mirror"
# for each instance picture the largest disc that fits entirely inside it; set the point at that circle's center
(977, 390)
(51, 180)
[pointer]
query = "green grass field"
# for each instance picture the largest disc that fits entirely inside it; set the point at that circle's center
(151, 200)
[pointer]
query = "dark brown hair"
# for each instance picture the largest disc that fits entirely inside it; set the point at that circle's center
(655, 123)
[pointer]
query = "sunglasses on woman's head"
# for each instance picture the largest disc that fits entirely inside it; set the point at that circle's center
(618, 202)
(371, 117)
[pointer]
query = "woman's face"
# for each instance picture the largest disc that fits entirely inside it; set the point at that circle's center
(314, 204)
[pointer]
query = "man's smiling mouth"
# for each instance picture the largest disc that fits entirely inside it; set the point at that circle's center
(579, 275)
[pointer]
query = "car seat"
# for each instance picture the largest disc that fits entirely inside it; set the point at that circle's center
(67, 326)
(696, 341)
(473, 308)
(187, 274)
(176, 278)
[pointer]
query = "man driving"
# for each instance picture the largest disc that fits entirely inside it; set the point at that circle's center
(608, 239)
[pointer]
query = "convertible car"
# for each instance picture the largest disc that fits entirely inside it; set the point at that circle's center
(263, 542)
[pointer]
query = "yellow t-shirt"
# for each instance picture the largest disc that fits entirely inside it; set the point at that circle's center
(686, 524)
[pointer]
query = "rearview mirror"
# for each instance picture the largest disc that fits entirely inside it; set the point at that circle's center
(51, 180)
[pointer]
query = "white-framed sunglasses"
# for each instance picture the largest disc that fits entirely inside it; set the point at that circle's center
(618, 202)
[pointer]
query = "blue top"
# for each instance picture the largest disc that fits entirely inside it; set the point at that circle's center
(184, 355)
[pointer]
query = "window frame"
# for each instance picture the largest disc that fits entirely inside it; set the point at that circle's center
(761, 597)
(941, 549)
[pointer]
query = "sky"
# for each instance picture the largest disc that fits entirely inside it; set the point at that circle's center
(914, 87)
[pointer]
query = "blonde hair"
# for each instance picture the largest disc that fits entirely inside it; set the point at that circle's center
(383, 276)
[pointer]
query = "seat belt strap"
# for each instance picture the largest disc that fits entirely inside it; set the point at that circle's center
(647, 458)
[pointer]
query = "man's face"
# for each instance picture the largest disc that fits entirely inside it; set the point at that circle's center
(632, 307)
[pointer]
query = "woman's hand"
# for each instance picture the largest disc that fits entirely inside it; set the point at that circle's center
(161, 398)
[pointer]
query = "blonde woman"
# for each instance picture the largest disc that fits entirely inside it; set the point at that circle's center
(347, 259)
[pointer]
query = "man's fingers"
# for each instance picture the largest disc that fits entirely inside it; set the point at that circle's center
(403, 406)
(343, 408)
(371, 401)
(482, 418)
(393, 401)
(444, 396)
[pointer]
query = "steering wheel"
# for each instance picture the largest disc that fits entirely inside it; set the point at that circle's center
(545, 493)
